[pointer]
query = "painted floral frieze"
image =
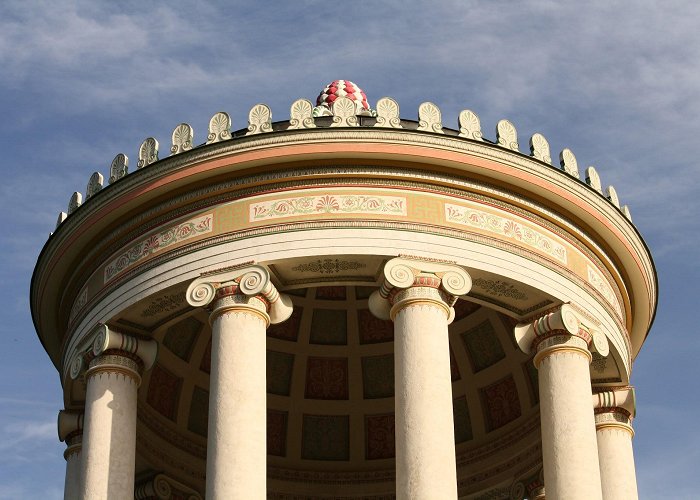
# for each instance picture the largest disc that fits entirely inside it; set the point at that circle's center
(327, 204)
(79, 303)
(158, 241)
(509, 228)
(600, 284)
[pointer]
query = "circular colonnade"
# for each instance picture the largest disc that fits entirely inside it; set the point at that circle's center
(346, 304)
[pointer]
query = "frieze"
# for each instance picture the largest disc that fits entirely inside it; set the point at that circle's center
(327, 204)
(329, 266)
(153, 222)
(166, 303)
(143, 226)
(507, 227)
(156, 242)
(499, 288)
(79, 303)
(600, 284)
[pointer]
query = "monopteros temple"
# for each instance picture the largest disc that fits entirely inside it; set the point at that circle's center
(346, 304)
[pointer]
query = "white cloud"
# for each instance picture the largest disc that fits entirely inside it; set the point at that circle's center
(29, 431)
(23, 431)
(616, 82)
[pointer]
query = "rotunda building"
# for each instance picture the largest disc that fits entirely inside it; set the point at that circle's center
(346, 304)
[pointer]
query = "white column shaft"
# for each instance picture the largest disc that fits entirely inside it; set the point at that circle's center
(425, 449)
(236, 445)
(569, 447)
(71, 488)
(617, 472)
(109, 437)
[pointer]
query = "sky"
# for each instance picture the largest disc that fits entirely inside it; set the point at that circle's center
(616, 82)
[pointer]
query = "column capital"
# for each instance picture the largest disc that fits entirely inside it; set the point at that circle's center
(407, 280)
(233, 288)
(114, 351)
(530, 485)
(615, 408)
(70, 430)
(160, 487)
(564, 328)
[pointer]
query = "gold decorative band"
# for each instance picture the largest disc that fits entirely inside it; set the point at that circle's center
(558, 348)
(115, 362)
(248, 308)
(615, 425)
(403, 304)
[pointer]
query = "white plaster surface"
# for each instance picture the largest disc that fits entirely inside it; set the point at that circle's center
(617, 471)
(109, 437)
(569, 448)
(237, 440)
(425, 450)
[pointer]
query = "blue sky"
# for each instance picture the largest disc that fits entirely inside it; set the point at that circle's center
(617, 82)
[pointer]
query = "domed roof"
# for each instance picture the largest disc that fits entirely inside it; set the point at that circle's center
(342, 88)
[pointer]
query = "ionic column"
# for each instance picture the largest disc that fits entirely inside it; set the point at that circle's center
(536, 493)
(613, 417)
(160, 487)
(70, 431)
(109, 436)
(561, 340)
(243, 302)
(418, 297)
(530, 486)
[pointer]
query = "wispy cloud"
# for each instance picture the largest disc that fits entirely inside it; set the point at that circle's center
(617, 83)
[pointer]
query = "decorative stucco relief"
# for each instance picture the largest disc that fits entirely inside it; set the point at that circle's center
(79, 302)
(499, 288)
(600, 284)
(506, 227)
(325, 204)
(157, 241)
(328, 266)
